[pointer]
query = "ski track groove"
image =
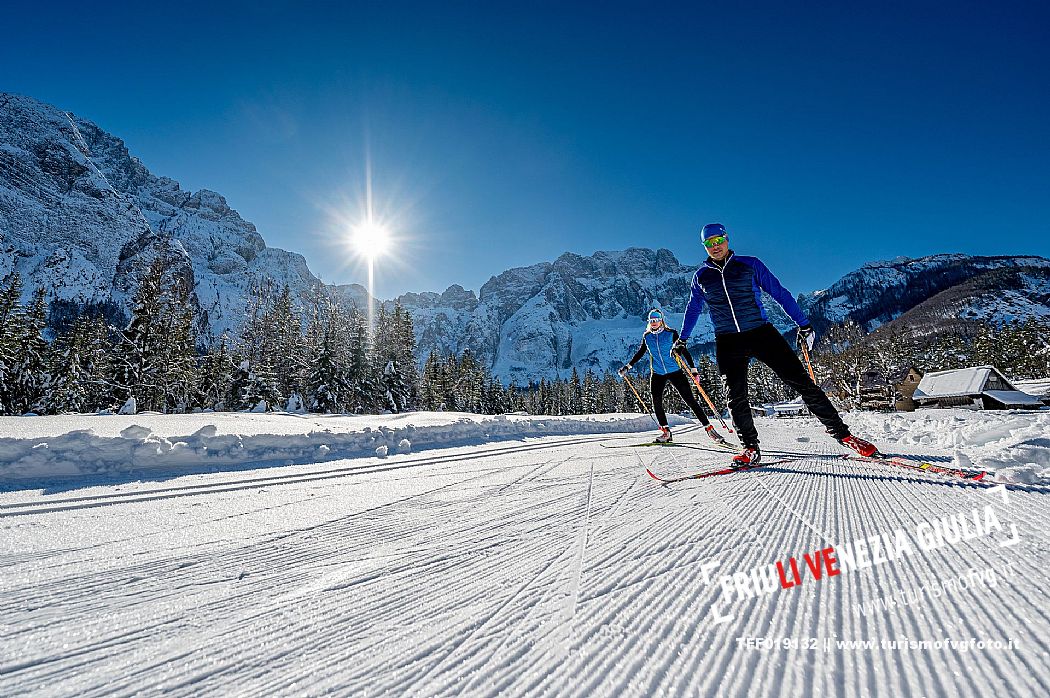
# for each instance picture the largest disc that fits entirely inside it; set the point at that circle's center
(641, 618)
(46, 505)
(151, 569)
(917, 510)
(520, 651)
(987, 555)
(497, 527)
(514, 678)
(520, 591)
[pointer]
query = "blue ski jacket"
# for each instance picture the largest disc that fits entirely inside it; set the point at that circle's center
(733, 292)
(659, 344)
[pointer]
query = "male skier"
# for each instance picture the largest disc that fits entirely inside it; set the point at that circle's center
(731, 286)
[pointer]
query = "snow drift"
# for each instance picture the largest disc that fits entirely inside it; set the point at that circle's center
(71, 446)
(1014, 445)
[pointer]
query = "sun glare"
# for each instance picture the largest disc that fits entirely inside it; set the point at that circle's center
(371, 239)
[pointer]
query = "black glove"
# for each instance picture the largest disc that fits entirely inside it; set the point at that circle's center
(623, 371)
(806, 336)
(679, 346)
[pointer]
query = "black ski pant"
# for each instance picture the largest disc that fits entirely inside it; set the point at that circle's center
(681, 383)
(734, 352)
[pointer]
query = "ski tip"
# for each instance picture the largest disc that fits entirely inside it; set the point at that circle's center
(654, 476)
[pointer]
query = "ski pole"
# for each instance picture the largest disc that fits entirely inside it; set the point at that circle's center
(703, 393)
(640, 401)
(809, 365)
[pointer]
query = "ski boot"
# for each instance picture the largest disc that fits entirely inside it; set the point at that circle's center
(864, 448)
(664, 437)
(749, 456)
(715, 436)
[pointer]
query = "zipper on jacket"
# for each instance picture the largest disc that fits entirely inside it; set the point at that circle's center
(729, 300)
(661, 350)
(658, 352)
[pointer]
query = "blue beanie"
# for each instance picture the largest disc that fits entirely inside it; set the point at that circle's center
(713, 230)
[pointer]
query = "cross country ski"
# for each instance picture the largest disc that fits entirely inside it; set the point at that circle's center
(922, 466)
(722, 471)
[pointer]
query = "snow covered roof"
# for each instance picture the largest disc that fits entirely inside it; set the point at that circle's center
(957, 382)
(1013, 397)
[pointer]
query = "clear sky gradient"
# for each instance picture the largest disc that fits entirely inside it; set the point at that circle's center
(503, 134)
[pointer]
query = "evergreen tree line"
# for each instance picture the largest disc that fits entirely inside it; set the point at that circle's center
(462, 384)
(58, 359)
(63, 359)
(323, 362)
(1020, 349)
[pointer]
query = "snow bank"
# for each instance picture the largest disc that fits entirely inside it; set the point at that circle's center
(1015, 445)
(76, 445)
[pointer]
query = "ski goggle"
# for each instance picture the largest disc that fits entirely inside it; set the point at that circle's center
(655, 320)
(715, 241)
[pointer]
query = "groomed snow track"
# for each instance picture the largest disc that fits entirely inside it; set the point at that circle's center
(549, 566)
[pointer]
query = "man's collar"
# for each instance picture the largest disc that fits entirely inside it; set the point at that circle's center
(714, 265)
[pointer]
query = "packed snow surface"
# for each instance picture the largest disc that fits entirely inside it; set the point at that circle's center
(525, 566)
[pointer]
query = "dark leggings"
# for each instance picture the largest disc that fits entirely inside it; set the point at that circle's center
(735, 351)
(681, 383)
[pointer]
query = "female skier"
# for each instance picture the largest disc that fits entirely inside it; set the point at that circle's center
(658, 340)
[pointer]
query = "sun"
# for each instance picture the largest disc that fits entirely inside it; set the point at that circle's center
(371, 240)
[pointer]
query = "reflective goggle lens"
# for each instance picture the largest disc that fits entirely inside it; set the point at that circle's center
(715, 241)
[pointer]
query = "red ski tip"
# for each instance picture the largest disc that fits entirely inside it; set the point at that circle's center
(655, 477)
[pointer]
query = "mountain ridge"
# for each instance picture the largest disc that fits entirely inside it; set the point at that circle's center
(82, 216)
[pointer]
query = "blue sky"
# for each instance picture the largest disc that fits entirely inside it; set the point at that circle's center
(503, 134)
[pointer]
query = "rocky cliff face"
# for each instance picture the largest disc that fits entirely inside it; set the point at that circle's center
(82, 217)
(1009, 293)
(577, 312)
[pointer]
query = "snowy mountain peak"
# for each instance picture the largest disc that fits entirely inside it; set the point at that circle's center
(577, 312)
(82, 217)
(880, 291)
(454, 297)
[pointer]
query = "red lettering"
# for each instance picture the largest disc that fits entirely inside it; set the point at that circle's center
(814, 565)
(831, 562)
(784, 583)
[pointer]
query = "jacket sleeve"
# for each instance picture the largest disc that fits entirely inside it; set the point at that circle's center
(692, 311)
(771, 285)
(640, 353)
(685, 351)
